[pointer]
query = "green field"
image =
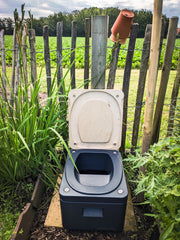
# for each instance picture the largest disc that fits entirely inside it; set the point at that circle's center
(80, 52)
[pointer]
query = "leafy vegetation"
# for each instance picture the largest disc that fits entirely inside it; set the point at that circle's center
(33, 136)
(80, 52)
(161, 183)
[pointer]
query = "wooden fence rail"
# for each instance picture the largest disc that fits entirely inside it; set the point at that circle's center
(112, 71)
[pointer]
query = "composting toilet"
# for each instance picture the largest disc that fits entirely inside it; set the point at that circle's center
(93, 190)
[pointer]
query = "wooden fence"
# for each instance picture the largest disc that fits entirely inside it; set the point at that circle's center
(112, 70)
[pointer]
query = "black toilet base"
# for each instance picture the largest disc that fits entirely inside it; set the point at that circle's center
(83, 211)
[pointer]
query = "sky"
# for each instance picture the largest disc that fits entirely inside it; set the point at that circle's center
(44, 8)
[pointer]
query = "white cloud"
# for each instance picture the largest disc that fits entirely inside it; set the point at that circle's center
(41, 8)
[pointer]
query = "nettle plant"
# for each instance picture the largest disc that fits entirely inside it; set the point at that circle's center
(161, 184)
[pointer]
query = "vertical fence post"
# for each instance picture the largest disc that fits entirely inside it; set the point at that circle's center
(17, 72)
(174, 95)
(59, 54)
(86, 61)
(164, 78)
(13, 67)
(73, 47)
(141, 84)
(3, 60)
(126, 81)
(33, 55)
(113, 67)
(152, 76)
(24, 45)
(99, 34)
(47, 57)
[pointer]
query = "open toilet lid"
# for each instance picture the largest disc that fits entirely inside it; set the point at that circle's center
(95, 119)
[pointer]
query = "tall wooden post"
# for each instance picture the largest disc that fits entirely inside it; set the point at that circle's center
(126, 81)
(73, 47)
(152, 76)
(86, 62)
(99, 33)
(24, 46)
(171, 37)
(13, 67)
(47, 57)
(141, 84)
(174, 96)
(3, 60)
(33, 55)
(59, 54)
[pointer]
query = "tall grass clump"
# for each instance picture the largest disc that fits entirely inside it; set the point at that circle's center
(28, 132)
(30, 129)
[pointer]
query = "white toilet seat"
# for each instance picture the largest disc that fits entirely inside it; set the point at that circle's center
(95, 119)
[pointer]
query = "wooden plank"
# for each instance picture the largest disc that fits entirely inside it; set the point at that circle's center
(47, 57)
(24, 223)
(164, 78)
(24, 53)
(152, 75)
(113, 67)
(174, 96)
(126, 81)
(73, 47)
(33, 55)
(99, 34)
(3, 60)
(38, 192)
(13, 68)
(141, 85)
(86, 61)
(54, 217)
(59, 54)
(25, 220)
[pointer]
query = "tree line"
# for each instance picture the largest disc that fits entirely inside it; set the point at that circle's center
(142, 17)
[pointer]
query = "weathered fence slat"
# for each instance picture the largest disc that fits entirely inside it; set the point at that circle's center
(163, 27)
(33, 55)
(59, 54)
(3, 60)
(126, 80)
(73, 47)
(24, 53)
(164, 78)
(99, 34)
(86, 61)
(47, 57)
(17, 73)
(141, 84)
(174, 96)
(152, 75)
(13, 67)
(113, 67)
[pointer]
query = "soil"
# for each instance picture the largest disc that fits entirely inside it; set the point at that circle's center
(147, 230)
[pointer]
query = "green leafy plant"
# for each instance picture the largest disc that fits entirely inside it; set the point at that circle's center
(161, 184)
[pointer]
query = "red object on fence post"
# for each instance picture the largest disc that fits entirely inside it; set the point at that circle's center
(122, 26)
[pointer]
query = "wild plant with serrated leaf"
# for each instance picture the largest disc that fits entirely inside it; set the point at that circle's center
(161, 184)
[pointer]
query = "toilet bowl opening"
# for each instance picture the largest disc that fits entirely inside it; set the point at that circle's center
(95, 169)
